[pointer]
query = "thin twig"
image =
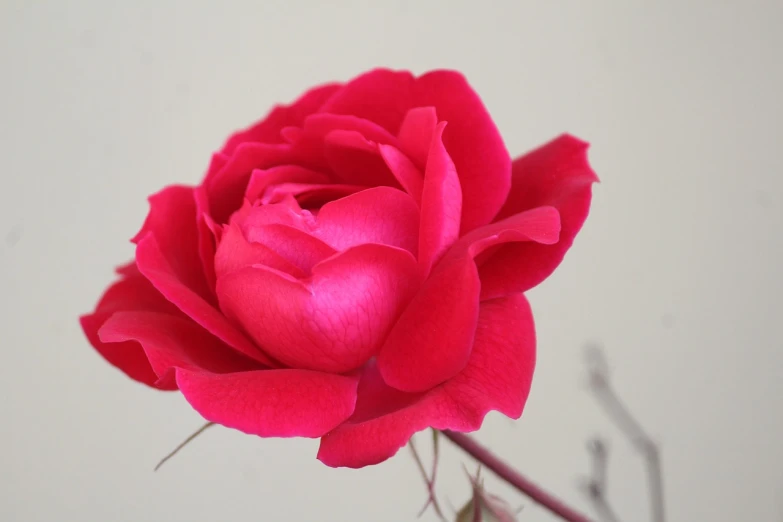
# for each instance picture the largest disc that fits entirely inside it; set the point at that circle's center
(619, 413)
(435, 459)
(432, 498)
(476, 494)
(514, 478)
(183, 444)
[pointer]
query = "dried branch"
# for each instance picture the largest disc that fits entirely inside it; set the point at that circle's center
(429, 480)
(183, 444)
(619, 413)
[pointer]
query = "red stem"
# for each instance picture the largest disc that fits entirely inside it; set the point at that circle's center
(513, 477)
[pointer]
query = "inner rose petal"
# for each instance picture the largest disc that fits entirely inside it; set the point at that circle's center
(263, 179)
(309, 195)
(334, 321)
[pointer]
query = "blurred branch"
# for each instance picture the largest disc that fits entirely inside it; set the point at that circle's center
(619, 413)
(597, 484)
(183, 444)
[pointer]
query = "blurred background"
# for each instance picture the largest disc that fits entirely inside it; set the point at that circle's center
(677, 272)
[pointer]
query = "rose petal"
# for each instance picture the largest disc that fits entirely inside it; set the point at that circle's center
(295, 246)
(271, 403)
(170, 342)
(133, 292)
(257, 215)
(556, 174)
(380, 215)
(381, 96)
(236, 252)
(431, 341)
(318, 126)
(308, 194)
(291, 134)
(226, 188)
(227, 177)
(128, 269)
(416, 133)
(216, 164)
(377, 215)
(268, 129)
(498, 377)
(155, 267)
(207, 238)
(261, 180)
(332, 322)
(355, 160)
(309, 146)
(172, 220)
(405, 172)
(538, 226)
(441, 204)
(128, 357)
(473, 142)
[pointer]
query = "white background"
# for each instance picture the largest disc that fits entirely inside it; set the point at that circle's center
(677, 271)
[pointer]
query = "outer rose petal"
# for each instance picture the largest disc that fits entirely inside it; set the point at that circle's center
(432, 340)
(271, 403)
(133, 292)
(153, 265)
(473, 141)
(333, 322)
(128, 357)
(381, 95)
(172, 220)
(539, 225)
(170, 341)
(128, 269)
(555, 174)
(282, 116)
(206, 235)
(498, 377)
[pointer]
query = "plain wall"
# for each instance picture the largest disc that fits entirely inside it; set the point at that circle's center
(677, 272)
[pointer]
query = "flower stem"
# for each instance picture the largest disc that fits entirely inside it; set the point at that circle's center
(513, 477)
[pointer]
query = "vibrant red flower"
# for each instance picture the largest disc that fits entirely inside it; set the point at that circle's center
(351, 268)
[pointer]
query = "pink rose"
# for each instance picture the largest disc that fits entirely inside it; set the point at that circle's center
(352, 268)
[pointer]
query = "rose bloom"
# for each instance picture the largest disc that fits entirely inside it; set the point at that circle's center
(352, 268)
